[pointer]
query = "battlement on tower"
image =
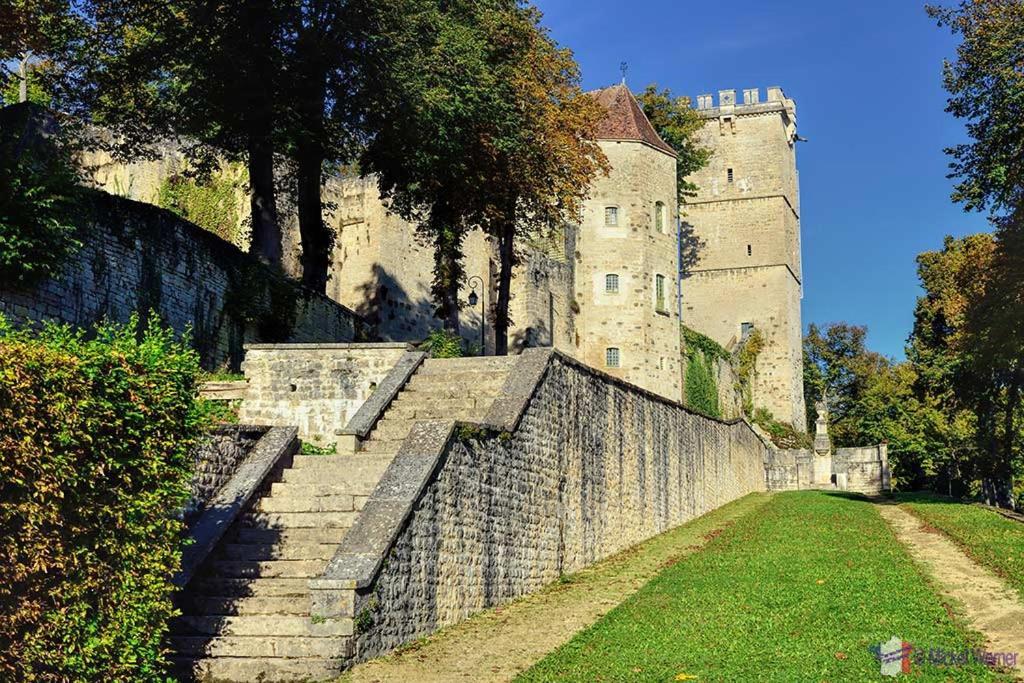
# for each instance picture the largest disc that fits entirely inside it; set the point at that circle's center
(727, 104)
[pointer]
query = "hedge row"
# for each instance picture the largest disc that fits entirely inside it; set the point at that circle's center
(95, 436)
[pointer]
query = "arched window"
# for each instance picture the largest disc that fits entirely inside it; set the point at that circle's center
(659, 216)
(611, 216)
(611, 283)
(611, 357)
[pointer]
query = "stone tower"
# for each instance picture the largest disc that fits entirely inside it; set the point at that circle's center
(741, 241)
(626, 270)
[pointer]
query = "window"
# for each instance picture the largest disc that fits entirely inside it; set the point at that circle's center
(729, 175)
(659, 216)
(611, 216)
(745, 330)
(659, 293)
(750, 251)
(611, 357)
(611, 283)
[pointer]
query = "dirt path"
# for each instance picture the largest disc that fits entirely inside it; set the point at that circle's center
(498, 644)
(991, 606)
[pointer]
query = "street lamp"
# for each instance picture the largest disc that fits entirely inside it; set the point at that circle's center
(474, 282)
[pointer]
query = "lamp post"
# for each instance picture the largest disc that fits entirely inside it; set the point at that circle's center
(474, 282)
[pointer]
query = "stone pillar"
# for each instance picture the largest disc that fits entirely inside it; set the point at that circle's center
(822, 444)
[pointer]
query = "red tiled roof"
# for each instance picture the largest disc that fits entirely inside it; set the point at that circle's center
(625, 119)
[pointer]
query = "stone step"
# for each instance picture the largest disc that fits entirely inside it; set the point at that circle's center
(316, 477)
(269, 625)
(442, 387)
(476, 364)
(356, 489)
(390, 429)
(221, 586)
(266, 569)
(276, 551)
(342, 464)
(263, 669)
(299, 501)
(249, 646)
(326, 535)
(298, 520)
(201, 605)
(381, 448)
(438, 409)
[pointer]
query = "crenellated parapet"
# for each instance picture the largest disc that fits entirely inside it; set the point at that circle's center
(751, 104)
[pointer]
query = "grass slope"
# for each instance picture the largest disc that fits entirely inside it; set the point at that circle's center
(991, 539)
(798, 592)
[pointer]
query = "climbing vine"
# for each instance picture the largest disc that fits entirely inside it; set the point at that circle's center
(701, 384)
(212, 203)
(745, 363)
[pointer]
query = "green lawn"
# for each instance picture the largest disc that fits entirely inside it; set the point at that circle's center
(991, 539)
(798, 591)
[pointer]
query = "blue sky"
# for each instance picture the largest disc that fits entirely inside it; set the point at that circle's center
(866, 76)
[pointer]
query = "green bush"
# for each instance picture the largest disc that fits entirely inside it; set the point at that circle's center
(783, 435)
(701, 384)
(38, 185)
(95, 435)
(443, 344)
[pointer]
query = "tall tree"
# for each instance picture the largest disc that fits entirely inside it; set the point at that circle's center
(541, 145)
(31, 33)
(323, 55)
(426, 94)
(209, 73)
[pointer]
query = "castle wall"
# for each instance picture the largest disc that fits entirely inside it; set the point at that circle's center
(742, 240)
(717, 302)
(137, 258)
(638, 252)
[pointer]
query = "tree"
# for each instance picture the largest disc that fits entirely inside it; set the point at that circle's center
(678, 124)
(837, 369)
(31, 31)
(427, 92)
(323, 56)
(987, 90)
(208, 73)
(541, 146)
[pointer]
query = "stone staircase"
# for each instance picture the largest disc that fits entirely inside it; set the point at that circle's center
(246, 614)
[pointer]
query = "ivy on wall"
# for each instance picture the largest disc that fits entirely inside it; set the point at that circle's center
(745, 363)
(700, 389)
(212, 203)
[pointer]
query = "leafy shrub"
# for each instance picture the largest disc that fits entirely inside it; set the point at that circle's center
(783, 435)
(443, 344)
(95, 435)
(38, 184)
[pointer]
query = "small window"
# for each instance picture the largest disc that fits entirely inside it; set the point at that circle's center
(745, 330)
(659, 216)
(611, 357)
(750, 251)
(659, 292)
(729, 175)
(611, 283)
(611, 216)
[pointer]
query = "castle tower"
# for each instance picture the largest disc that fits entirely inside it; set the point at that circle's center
(626, 271)
(741, 241)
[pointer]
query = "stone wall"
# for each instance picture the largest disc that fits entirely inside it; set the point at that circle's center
(216, 459)
(861, 470)
(136, 257)
(315, 387)
(594, 466)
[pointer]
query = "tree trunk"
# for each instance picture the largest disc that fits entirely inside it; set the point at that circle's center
(506, 256)
(316, 238)
(23, 75)
(266, 231)
(447, 264)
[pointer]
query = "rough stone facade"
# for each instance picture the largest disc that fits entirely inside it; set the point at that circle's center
(594, 467)
(137, 258)
(216, 459)
(741, 237)
(315, 387)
